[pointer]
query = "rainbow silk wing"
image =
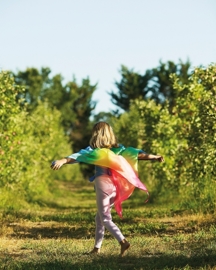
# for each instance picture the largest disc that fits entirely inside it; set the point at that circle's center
(123, 165)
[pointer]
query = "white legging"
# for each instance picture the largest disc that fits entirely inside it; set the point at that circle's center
(105, 195)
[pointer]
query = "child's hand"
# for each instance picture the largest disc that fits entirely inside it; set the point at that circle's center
(159, 158)
(56, 165)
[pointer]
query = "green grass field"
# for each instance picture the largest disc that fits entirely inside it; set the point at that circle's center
(59, 233)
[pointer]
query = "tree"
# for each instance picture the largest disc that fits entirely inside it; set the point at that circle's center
(35, 83)
(185, 137)
(72, 100)
(154, 84)
(28, 144)
(82, 107)
(9, 139)
(196, 107)
(161, 85)
(132, 86)
(103, 116)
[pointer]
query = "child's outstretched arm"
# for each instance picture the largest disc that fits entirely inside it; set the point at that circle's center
(56, 165)
(144, 156)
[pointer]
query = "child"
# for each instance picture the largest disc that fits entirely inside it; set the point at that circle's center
(115, 178)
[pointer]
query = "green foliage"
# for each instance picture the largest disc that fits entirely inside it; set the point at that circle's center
(185, 136)
(103, 116)
(82, 108)
(129, 129)
(29, 142)
(162, 87)
(131, 86)
(72, 100)
(35, 84)
(153, 130)
(197, 109)
(9, 137)
(184, 133)
(154, 84)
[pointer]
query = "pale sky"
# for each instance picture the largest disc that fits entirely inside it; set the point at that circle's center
(93, 38)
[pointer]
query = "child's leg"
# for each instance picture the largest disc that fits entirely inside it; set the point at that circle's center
(105, 194)
(99, 232)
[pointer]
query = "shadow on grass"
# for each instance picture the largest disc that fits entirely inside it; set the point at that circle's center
(58, 206)
(67, 232)
(147, 262)
(76, 230)
(75, 214)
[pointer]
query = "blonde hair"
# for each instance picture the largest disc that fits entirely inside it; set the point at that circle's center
(103, 136)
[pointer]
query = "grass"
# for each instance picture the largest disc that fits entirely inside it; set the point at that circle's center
(59, 235)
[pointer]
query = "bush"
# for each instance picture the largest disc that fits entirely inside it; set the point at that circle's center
(29, 142)
(186, 137)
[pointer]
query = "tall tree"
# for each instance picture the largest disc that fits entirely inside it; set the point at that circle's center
(34, 83)
(162, 86)
(80, 129)
(153, 84)
(131, 86)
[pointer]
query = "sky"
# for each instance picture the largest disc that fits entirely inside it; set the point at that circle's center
(93, 38)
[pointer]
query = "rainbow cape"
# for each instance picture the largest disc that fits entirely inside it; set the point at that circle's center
(123, 165)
